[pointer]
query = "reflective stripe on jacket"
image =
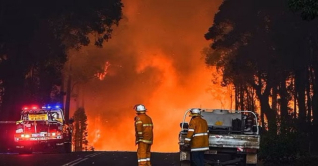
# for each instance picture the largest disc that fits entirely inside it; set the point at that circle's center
(198, 134)
(144, 128)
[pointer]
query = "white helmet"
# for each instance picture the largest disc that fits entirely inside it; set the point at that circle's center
(195, 112)
(140, 108)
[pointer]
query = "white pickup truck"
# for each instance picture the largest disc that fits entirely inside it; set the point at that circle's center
(234, 138)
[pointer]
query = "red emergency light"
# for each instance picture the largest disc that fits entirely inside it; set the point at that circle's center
(33, 108)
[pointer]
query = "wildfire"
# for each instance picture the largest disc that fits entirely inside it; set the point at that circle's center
(157, 46)
(102, 75)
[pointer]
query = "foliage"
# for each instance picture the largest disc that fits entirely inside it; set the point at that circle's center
(35, 37)
(279, 149)
(262, 47)
(309, 160)
(243, 48)
(307, 8)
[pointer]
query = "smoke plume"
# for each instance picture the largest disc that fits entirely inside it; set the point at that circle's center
(154, 58)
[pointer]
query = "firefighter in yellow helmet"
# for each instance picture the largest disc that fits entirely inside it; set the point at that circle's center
(197, 137)
(144, 135)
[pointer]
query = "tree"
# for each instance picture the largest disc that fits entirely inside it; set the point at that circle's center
(309, 11)
(32, 57)
(308, 8)
(262, 45)
(243, 58)
(80, 130)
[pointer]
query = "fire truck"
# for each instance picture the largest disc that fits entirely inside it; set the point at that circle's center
(7, 130)
(234, 138)
(43, 129)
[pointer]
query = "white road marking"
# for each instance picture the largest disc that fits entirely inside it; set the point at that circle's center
(78, 161)
(74, 162)
(69, 163)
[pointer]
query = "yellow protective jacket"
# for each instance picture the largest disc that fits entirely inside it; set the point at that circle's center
(198, 134)
(143, 128)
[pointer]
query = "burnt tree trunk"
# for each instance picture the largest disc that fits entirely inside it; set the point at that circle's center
(315, 109)
(68, 98)
(283, 100)
(300, 91)
(265, 107)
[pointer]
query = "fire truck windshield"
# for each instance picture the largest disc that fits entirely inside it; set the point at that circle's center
(42, 115)
(35, 117)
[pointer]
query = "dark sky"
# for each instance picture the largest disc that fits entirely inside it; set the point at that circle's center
(155, 59)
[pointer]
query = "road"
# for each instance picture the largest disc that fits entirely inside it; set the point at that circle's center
(97, 158)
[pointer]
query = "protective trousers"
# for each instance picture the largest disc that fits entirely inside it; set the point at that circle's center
(197, 158)
(143, 154)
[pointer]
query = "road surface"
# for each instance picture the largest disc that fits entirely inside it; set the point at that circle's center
(97, 158)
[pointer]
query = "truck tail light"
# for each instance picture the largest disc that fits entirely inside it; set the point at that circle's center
(239, 149)
(250, 150)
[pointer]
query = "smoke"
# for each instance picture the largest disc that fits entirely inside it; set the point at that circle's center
(154, 58)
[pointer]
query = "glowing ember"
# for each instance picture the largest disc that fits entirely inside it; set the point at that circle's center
(102, 75)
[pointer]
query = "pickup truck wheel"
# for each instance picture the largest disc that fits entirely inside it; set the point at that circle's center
(185, 163)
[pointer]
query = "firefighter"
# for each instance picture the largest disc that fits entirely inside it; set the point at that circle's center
(197, 138)
(144, 135)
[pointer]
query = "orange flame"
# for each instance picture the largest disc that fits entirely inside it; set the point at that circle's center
(157, 47)
(102, 75)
